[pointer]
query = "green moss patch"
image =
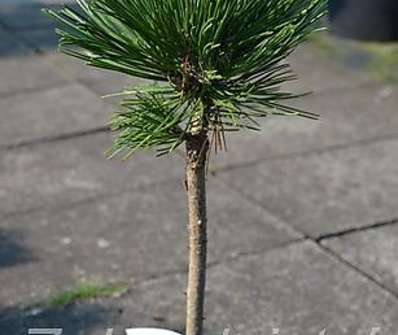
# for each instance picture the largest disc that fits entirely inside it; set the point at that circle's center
(381, 59)
(87, 291)
(384, 60)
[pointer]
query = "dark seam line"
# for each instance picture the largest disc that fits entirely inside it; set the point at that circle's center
(223, 260)
(38, 89)
(258, 204)
(170, 273)
(323, 247)
(89, 199)
(356, 230)
(317, 151)
(358, 270)
(55, 138)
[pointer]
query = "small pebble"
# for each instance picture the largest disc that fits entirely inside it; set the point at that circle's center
(102, 243)
(66, 240)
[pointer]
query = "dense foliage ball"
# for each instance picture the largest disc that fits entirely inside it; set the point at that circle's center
(220, 61)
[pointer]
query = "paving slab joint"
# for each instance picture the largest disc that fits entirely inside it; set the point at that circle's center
(55, 138)
(221, 261)
(356, 230)
(306, 153)
(33, 90)
(328, 251)
(358, 270)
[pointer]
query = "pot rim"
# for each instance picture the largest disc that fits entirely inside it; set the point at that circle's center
(150, 331)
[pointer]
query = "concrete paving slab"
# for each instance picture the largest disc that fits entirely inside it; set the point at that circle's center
(373, 251)
(299, 290)
(327, 192)
(57, 173)
(346, 116)
(53, 112)
(100, 81)
(23, 74)
(321, 70)
(131, 236)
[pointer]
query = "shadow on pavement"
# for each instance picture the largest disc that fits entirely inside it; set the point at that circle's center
(76, 319)
(365, 19)
(12, 249)
(25, 29)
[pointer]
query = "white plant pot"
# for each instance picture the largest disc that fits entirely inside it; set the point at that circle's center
(150, 331)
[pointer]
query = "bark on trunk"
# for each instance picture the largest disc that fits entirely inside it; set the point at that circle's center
(197, 148)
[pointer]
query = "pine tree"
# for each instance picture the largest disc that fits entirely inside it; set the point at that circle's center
(218, 67)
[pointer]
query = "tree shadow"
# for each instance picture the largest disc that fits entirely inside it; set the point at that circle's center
(92, 317)
(335, 6)
(86, 318)
(365, 19)
(12, 249)
(25, 29)
(76, 319)
(28, 16)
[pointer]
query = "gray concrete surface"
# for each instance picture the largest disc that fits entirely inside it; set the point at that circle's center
(302, 216)
(325, 192)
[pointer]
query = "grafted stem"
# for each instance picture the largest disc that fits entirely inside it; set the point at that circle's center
(197, 147)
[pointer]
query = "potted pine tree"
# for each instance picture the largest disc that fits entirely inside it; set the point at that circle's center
(218, 68)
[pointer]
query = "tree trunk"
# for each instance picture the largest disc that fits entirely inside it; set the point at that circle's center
(197, 147)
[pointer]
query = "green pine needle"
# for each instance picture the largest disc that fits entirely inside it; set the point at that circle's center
(219, 62)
